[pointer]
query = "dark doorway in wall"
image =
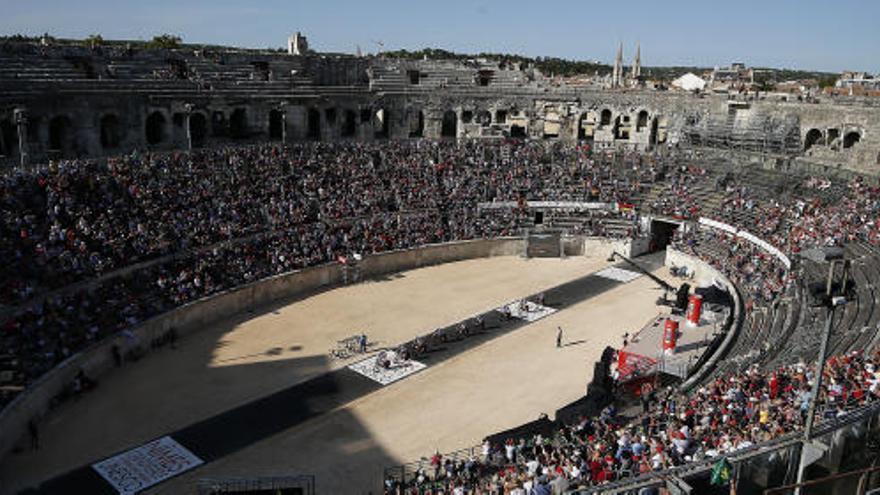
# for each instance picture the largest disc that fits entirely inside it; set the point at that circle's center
(155, 128)
(330, 116)
(484, 77)
(417, 125)
(484, 118)
(349, 124)
(850, 139)
(813, 136)
(198, 128)
(366, 115)
(276, 125)
(581, 132)
(661, 234)
(313, 125)
(500, 116)
(605, 118)
(467, 117)
(449, 126)
(414, 77)
(219, 127)
(539, 218)
(60, 135)
(517, 131)
(238, 124)
(833, 134)
(110, 132)
(8, 138)
(642, 121)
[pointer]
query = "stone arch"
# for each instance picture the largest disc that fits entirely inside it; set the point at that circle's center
(110, 131)
(581, 130)
(552, 124)
(156, 130)
(449, 125)
(605, 118)
(349, 123)
(813, 137)
(61, 139)
(8, 138)
(276, 124)
(382, 124)
(313, 124)
(850, 139)
(417, 124)
(198, 129)
(484, 118)
(218, 123)
(238, 124)
(662, 129)
(641, 121)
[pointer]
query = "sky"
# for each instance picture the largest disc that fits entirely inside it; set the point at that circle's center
(828, 35)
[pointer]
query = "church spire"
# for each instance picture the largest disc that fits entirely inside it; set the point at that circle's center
(617, 75)
(637, 63)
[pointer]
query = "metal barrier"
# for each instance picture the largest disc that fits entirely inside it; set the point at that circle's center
(280, 485)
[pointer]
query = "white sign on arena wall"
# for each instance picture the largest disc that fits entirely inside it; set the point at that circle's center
(144, 466)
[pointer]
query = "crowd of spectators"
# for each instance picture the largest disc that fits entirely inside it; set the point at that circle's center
(726, 415)
(94, 247)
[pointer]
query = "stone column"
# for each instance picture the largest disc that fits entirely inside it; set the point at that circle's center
(188, 110)
(21, 120)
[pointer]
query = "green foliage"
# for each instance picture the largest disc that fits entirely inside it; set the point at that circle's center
(94, 40)
(165, 41)
(547, 65)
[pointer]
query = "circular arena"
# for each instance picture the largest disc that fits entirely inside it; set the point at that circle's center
(246, 272)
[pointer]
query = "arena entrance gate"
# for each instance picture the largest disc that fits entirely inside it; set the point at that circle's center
(661, 234)
(544, 244)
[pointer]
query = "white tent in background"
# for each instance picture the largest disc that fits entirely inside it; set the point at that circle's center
(689, 82)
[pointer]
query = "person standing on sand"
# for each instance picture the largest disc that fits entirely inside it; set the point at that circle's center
(558, 337)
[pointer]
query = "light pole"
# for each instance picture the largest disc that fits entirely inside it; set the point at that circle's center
(830, 298)
(21, 120)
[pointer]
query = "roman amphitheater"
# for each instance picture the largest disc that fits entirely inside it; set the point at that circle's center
(243, 271)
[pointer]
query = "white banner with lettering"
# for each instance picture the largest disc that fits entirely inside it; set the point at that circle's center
(140, 468)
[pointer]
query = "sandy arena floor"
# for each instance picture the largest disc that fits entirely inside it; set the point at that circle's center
(497, 385)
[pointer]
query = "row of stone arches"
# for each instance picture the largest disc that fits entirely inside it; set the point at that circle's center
(196, 126)
(380, 120)
(816, 137)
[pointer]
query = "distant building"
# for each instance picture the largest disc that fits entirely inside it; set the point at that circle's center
(737, 76)
(863, 80)
(689, 82)
(297, 44)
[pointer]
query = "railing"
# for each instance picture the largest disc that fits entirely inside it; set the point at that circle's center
(655, 478)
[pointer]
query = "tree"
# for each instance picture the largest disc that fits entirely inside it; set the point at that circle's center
(94, 40)
(165, 41)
